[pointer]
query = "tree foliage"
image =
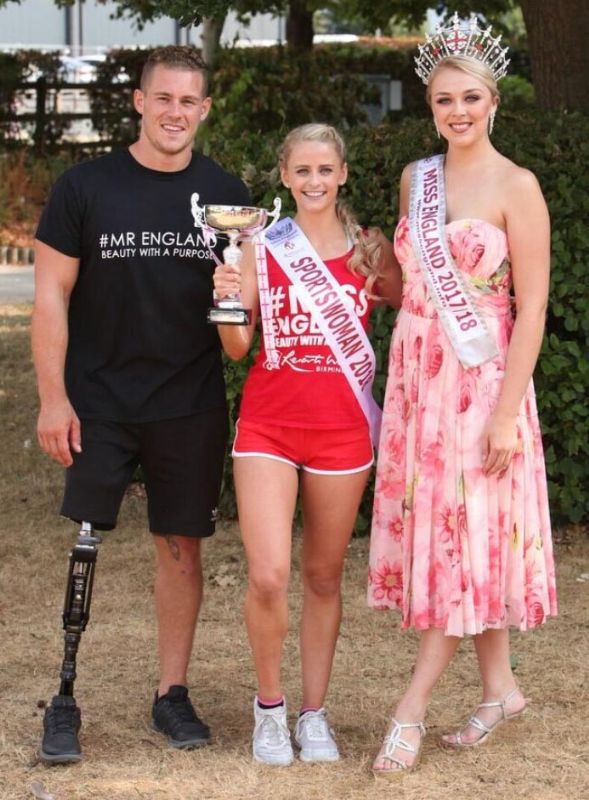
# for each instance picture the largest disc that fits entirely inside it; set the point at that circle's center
(376, 13)
(184, 11)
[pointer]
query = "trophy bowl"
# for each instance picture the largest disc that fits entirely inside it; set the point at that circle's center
(237, 223)
(244, 219)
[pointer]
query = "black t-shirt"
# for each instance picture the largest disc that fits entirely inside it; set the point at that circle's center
(139, 347)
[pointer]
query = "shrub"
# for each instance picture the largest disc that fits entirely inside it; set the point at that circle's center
(517, 94)
(25, 182)
(256, 89)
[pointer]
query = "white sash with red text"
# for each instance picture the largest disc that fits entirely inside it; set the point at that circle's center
(466, 329)
(330, 310)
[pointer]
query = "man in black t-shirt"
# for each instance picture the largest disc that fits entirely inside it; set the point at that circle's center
(128, 370)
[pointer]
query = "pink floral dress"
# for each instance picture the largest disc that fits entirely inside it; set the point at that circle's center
(450, 547)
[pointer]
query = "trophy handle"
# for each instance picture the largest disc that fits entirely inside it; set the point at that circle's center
(275, 213)
(198, 214)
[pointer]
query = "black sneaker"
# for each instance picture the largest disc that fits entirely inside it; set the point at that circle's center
(61, 724)
(174, 715)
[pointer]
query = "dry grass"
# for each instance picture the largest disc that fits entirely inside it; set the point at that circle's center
(544, 756)
(25, 182)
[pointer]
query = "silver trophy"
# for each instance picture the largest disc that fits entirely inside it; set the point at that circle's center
(238, 223)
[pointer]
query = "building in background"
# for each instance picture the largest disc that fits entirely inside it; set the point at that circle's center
(87, 27)
(83, 32)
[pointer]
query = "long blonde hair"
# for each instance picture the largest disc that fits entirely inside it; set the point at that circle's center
(365, 259)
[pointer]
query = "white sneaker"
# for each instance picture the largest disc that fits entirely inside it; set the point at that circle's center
(315, 738)
(271, 741)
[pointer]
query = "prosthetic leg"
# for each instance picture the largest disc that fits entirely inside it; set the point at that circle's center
(62, 717)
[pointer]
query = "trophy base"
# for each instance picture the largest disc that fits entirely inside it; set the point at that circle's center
(229, 316)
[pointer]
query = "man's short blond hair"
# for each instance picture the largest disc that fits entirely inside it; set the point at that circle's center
(176, 57)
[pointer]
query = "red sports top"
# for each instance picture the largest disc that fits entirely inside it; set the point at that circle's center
(309, 389)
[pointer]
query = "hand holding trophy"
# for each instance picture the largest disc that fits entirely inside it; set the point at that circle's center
(238, 223)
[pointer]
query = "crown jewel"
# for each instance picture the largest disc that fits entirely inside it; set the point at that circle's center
(459, 38)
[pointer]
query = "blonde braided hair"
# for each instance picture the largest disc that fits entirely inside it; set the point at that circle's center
(365, 259)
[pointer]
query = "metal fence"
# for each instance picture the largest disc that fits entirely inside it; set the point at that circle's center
(44, 113)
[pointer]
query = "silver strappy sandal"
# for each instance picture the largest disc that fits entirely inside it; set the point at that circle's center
(479, 725)
(394, 741)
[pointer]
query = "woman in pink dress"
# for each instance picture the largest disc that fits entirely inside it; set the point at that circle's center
(461, 541)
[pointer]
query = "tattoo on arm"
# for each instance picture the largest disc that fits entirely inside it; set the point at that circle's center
(174, 549)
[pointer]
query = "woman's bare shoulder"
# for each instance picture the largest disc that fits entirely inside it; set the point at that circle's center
(515, 177)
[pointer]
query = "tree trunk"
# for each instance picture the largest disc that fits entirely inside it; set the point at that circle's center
(299, 26)
(212, 28)
(558, 36)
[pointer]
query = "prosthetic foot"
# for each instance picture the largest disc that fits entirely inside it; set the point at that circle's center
(62, 720)
(60, 731)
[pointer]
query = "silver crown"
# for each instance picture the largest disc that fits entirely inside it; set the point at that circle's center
(460, 38)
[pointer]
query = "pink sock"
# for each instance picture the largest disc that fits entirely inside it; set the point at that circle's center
(264, 702)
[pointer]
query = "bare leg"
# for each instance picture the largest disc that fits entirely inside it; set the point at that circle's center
(266, 496)
(330, 506)
(435, 653)
(492, 648)
(178, 595)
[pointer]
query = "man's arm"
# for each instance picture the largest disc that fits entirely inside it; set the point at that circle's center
(58, 427)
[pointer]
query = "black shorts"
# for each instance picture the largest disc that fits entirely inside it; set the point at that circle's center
(182, 463)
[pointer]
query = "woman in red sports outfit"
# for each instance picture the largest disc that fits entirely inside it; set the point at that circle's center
(301, 422)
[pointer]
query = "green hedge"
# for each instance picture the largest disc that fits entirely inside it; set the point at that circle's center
(555, 147)
(255, 89)
(268, 88)
(262, 89)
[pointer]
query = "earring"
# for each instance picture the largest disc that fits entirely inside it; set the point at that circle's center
(492, 120)
(436, 127)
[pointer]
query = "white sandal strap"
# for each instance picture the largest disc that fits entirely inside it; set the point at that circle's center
(479, 725)
(394, 741)
(499, 703)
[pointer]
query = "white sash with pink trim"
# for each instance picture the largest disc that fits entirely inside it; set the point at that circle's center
(330, 310)
(466, 329)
